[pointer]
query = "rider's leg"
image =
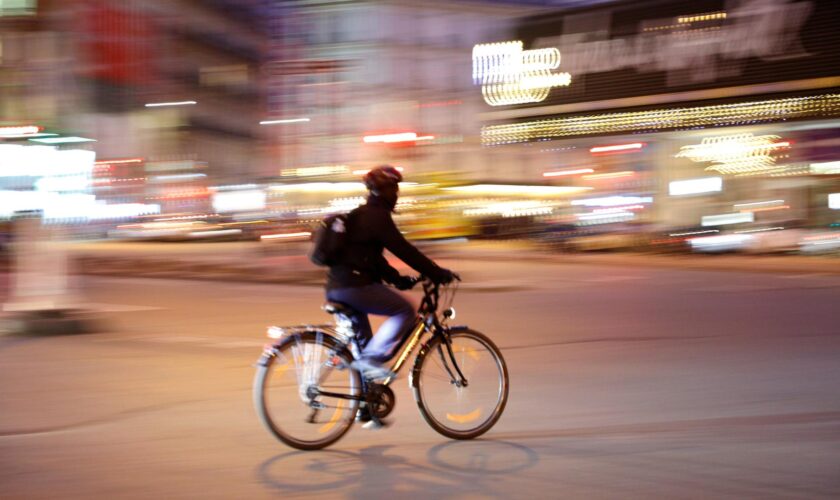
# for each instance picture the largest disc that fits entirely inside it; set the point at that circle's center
(380, 300)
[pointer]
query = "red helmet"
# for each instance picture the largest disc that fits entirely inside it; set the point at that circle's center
(382, 177)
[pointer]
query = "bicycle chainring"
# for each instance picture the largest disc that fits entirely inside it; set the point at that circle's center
(383, 400)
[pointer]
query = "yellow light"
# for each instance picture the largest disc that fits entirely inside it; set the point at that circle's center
(559, 173)
(611, 175)
(314, 171)
(824, 105)
(510, 75)
(740, 154)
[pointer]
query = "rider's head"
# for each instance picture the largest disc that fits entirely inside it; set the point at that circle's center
(383, 182)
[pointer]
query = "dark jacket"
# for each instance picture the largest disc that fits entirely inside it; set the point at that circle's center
(370, 229)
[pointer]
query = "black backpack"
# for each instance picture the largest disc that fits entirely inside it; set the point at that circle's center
(328, 240)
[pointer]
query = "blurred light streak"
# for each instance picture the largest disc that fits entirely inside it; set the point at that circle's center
(511, 209)
(62, 140)
(746, 231)
(663, 119)
(115, 162)
(617, 209)
(510, 75)
(512, 189)
(724, 219)
(174, 103)
(400, 137)
(691, 233)
(701, 17)
(314, 171)
(617, 148)
(214, 232)
(695, 186)
(303, 234)
(611, 175)
(766, 209)
(20, 131)
(831, 167)
(239, 201)
(759, 203)
(284, 121)
(613, 201)
(739, 154)
(720, 243)
(834, 201)
(558, 173)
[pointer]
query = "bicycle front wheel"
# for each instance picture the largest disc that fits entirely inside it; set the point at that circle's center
(461, 411)
(305, 393)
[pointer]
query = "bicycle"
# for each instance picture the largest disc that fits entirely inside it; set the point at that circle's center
(308, 396)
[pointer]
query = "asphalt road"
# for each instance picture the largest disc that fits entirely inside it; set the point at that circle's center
(625, 383)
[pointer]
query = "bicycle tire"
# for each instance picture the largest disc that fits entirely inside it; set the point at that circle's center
(424, 367)
(271, 414)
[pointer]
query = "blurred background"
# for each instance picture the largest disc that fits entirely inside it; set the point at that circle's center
(704, 126)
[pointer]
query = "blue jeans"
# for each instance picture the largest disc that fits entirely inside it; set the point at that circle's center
(383, 301)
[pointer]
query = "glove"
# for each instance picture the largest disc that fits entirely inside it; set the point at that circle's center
(404, 283)
(444, 276)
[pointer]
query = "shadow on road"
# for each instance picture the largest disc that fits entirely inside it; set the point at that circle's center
(452, 468)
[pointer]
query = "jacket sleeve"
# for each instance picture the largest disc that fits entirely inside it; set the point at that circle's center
(396, 243)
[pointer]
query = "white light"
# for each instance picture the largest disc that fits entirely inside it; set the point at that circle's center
(834, 201)
(239, 201)
(613, 201)
(759, 230)
(43, 161)
(314, 171)
(695, 186)
(723, 219)
(26, 136)
(760, 204)
(280, 236)
(510, 75)
(214, 232)
(366, 170)
(720, 243)
(558, 173)
(831, 167)
(62, 140)
(506, 189)
(25, 130)
(175, 103)
(176, 177)
(284, 121)
(617, 147)
(400, 137)
(695, 232)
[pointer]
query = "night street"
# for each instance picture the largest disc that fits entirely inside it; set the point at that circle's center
(625, 383)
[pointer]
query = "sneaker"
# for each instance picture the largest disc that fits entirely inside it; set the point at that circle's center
(371, 370)
(375, 425)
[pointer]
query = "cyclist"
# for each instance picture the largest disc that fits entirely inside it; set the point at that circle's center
(357, 278)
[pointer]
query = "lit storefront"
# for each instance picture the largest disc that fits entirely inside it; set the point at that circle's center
(723, 115)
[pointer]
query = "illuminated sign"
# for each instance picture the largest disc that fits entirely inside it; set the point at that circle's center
(689, 48)
(834, 201)
(510, 75)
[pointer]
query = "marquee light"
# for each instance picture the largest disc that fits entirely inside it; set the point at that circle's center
(740, 154)
(825, 105)
(510, 75)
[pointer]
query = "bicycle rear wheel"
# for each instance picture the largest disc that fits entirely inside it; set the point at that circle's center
(288, 385)
(463, 412)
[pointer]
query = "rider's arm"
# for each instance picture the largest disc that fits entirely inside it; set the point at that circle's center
(396, 243)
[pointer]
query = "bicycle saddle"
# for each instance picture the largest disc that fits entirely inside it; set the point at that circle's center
(332, 307)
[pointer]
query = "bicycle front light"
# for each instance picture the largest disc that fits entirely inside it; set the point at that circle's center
(275, 332)
(449, 313)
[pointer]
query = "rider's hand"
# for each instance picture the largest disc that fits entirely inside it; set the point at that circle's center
(405, 283)
(444, 276)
